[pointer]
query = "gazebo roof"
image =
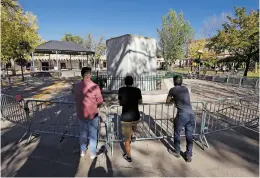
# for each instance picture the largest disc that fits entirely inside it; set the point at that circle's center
(63, 47)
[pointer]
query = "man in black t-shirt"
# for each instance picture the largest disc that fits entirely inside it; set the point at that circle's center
(129, 97)
(185, 117)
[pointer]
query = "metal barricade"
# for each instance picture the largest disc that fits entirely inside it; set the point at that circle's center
(234, 80)
(209, 77)
(249, 82)
(220, 79)
(13, 110)
(230, 113)
(55, 117)
(156, 122)
(40, 116)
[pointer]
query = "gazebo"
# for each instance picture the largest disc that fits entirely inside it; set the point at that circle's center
(58, 50)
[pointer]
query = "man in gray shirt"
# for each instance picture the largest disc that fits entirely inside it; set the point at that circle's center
(185, 117)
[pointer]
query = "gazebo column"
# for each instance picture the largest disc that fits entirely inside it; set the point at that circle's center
(70, 63)
(49, 61)
(40, 65)
(87, 59)
(56, 56)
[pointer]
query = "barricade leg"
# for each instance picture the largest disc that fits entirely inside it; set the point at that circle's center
(27, 111)
(204, 141)
(202, 137)
(29, 139)
(107, 126)
(112, 148)
(23, 136)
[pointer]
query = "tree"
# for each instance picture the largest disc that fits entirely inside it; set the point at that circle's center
(208, 57)
(23, 49)
(240, 36)
(98, 46)
(174, 33)
(89, 42)
(76, 39)
(212, 24)
(17, 27)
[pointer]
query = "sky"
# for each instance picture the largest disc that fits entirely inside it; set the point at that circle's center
(112, 18)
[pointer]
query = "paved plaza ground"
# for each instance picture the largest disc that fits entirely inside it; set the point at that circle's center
(231, 153)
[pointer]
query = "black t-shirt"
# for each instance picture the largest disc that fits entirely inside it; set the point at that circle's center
(181, 98)
(128, 98)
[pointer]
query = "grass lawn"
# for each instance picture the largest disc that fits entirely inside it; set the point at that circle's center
(212, 72)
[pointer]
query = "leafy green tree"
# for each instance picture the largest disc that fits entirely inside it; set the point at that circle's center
(240, 36)
(207, 57)
(212, 24)
(76, 39)
(98, 46)
(174, 34)
(89, 42)
(17, 29)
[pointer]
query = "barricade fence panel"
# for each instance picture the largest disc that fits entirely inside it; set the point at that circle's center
(209, 78)
(13, 111)
(53, 117)
(57, 118)
(250, 82)
(228, 113)
(234, 80)
(156, 121)
(222, 78)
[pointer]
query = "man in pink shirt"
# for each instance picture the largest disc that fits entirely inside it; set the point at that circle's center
(88, 97)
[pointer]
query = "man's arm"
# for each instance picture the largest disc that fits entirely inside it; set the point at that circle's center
(99, 97)
(140, 100)
(169, 97)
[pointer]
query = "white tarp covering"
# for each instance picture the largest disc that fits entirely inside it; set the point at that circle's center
(131, 55)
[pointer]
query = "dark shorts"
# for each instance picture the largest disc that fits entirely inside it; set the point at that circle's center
(130, 116)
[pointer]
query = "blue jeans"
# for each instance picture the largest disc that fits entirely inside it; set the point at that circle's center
(186, 120)
(89, 130)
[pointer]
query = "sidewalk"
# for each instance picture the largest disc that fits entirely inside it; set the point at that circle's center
(230, 154)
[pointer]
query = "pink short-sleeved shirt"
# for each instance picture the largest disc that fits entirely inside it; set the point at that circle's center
(87, 97)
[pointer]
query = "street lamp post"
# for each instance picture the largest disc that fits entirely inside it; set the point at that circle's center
(199, 52)
(198, 63)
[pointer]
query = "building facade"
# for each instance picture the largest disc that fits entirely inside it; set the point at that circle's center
(60, 62)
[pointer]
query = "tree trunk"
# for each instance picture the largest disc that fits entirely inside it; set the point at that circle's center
(13, 67)
(191, 65)
(256, 67)
(22, 72)
(246, 67)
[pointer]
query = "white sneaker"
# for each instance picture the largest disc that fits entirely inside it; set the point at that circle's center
(82, 153)
(92, 156)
